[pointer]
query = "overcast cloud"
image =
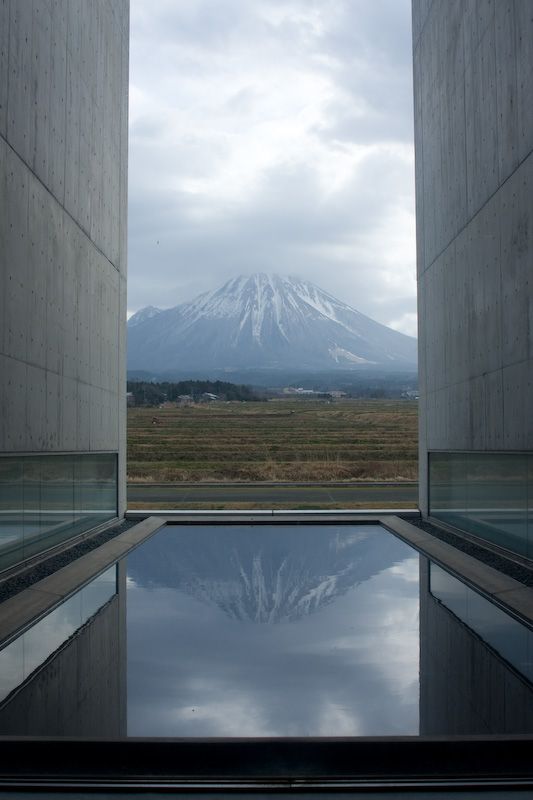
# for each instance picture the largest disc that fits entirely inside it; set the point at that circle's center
(275, 136)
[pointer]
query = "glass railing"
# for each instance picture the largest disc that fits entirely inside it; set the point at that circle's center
(485, 494)
(45, 500)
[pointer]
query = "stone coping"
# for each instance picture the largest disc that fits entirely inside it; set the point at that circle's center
(501, 589)
(30, 604)
(256, 514)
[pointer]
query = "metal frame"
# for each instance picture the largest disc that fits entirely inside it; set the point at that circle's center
(403, 764)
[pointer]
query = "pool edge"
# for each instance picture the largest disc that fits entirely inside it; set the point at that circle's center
(501, 589)
(30, 604)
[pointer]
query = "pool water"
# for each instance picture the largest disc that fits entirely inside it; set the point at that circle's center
(270, 630)
(290, 631)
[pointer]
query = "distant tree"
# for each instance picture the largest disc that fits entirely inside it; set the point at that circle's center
(153, 394)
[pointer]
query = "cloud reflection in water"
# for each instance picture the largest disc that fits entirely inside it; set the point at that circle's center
(273, 631)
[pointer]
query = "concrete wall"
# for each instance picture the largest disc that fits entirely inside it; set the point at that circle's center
(63, 195)
(473, 84)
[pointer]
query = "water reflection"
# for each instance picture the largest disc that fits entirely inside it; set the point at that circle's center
(65, 675)
(265, 574)
(282, 631)
(467, 645)
(270, 631)
(508, 637)
(30, 650)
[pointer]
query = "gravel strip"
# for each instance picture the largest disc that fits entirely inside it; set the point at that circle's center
(505, 565)
(24, 580)
(17, 583)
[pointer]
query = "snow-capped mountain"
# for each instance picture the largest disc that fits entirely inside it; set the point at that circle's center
(141, 316)
(267, 322)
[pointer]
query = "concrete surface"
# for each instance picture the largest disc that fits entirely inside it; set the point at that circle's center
(473, 83)
(63, 191)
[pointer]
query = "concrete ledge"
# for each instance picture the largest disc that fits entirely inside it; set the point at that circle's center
(501, 589)
(44, 555)
(504, 552)
(270, 517)
(222, 514)
(255, 484)
(28, 605)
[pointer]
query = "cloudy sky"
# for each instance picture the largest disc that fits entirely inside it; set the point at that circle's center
(273, 136)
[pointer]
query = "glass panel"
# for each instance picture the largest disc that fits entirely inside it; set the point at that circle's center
(448, 487)
(96, 489)
(45, 500)
(497, 499)
(530, 506)
(485, 494)
(56, 504)
(11, 511)
(32, 503)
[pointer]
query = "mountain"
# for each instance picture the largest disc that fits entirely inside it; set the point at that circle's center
(264, 322)
(141, 316)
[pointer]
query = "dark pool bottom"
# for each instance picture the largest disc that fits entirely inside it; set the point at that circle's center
(281, 630)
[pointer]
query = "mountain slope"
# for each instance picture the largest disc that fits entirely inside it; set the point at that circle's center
(141, 316)
(263, 321)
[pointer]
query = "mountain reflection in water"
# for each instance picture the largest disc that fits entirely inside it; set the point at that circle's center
(273, 630)
(270, 631)
(260, 575)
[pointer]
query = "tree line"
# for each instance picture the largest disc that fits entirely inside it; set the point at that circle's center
(147, 393)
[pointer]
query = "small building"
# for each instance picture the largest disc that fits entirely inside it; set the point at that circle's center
(130, 399)
(299, 391)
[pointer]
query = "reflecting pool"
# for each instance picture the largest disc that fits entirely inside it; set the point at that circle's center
(270, 630)
(286, 631)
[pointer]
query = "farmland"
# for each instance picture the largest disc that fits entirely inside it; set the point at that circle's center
(276, 440)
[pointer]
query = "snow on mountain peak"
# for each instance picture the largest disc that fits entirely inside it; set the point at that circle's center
(141, 316)
(264, 321)
(254, 296)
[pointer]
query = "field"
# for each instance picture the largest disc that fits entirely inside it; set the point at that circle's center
(278, 440)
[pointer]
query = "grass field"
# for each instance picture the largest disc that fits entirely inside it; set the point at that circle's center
(256, 506)
(278, 440)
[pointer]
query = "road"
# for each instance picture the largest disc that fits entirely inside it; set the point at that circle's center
(342, 494)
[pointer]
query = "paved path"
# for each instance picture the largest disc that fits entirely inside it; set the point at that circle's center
(346, 495)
